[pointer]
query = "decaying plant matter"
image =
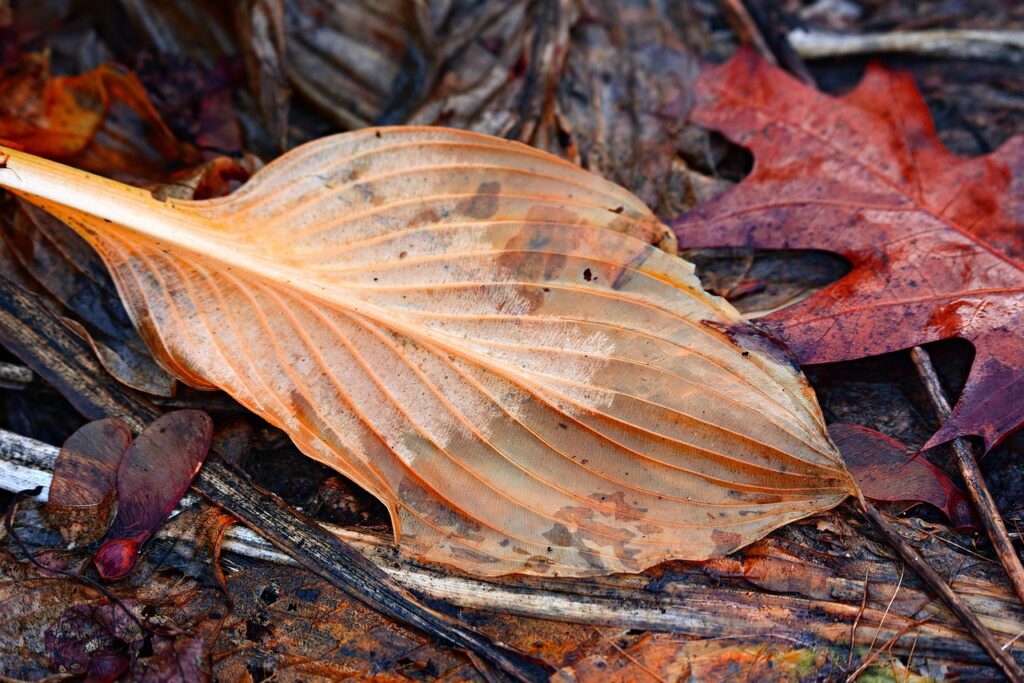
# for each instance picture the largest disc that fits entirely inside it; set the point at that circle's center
(936, 240)
(479, 334)
(511, 351)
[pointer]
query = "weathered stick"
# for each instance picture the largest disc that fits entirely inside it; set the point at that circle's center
(14, 376)
(746, 29)
(49, 348)
(969, 470)
(955, 43)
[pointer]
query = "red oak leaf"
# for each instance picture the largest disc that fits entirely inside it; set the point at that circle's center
(936, 240)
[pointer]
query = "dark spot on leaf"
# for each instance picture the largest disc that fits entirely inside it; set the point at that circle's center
(725, 541)
(559, 535)
(484, 203)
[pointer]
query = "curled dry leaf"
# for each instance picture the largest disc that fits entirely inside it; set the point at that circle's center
(66, 267)
(885, 469)
(101, 120)
(83, 495)
(152, 477)
(471, 330)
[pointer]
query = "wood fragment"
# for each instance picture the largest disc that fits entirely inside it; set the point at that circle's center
(14, 376)
(963, 454)
(629, 602)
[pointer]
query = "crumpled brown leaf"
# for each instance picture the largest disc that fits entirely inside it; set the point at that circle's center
(63, 265)
(604, 84)
(102, 120)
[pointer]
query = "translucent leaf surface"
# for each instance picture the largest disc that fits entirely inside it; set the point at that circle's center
(481, 335)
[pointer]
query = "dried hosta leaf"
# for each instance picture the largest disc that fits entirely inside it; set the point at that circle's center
(152, 477)
(83, 495)
(471, 330)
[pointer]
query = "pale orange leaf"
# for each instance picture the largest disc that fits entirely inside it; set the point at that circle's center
(481, 335)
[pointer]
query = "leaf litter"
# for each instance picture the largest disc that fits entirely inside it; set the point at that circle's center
(612, 52)
(521, 295)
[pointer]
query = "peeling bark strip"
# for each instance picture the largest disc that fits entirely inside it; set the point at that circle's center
(43, 343)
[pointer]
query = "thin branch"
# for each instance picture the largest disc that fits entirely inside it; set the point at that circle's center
(686, 608)
(746, 28)
(759, 24)
(887, 647)
(963, 454)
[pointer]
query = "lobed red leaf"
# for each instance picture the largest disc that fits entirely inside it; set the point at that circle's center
(936, 241)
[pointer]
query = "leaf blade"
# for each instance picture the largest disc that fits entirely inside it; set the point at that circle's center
(472, 331)
(934, 239)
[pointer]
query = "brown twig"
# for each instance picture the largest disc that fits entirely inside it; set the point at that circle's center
(746, 28)
(758, 25)
(955, 603)
(963, 454)
(887, 647)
